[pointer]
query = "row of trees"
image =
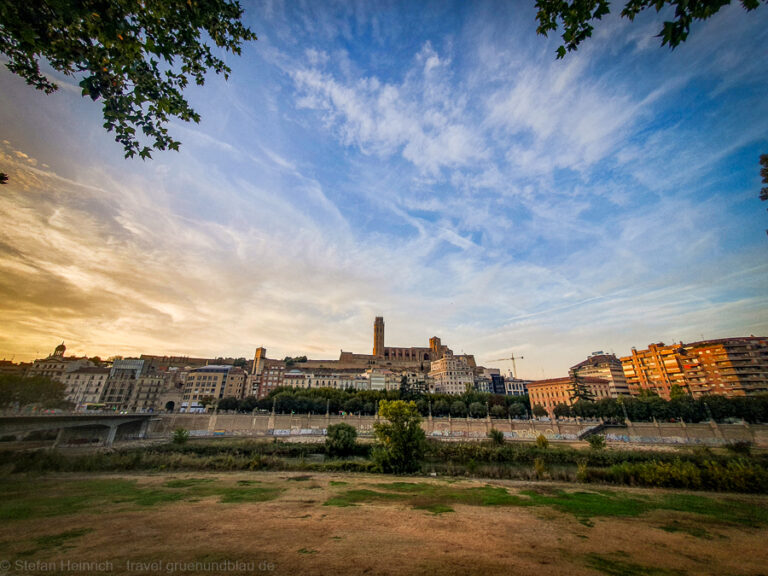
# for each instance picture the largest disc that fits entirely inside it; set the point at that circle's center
(318, 400)
(18, 392)
(643, 409)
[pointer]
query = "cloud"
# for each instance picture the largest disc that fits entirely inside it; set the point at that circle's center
(416, 117)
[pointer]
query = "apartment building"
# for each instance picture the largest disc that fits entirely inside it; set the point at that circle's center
(85, 386)
(728, 367)
(605, 367)
(553, 391)
(451, 375)
(204, 384)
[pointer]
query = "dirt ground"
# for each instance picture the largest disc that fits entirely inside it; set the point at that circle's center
(296, 534)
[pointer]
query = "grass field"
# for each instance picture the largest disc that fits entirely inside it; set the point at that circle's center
(288, 523)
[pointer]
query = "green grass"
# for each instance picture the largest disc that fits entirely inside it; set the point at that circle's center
(725, 510)
(187, 482)
(434, 508)
(250, 494)
(584, 505)
(48, 497)
(692, 530)
(434, 498)
(359, 496)
(616, 567)
(58, 541)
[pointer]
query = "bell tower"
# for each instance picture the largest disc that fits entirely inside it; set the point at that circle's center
(378, 336)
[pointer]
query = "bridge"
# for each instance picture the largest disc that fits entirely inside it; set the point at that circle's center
(106, 425)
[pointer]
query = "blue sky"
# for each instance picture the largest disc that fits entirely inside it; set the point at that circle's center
(429, 162)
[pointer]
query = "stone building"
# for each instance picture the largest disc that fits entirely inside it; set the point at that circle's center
(85, 386)
(451, 375)
(553, 391)
(56, 365)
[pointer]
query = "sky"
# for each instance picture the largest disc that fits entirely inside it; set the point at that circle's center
(429, 162)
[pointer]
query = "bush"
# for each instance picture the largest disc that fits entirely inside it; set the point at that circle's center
(180, 436)
(341, 440)
(742, 447)
(596, 441)
(541, 441)
(497, 436)
(540, 468)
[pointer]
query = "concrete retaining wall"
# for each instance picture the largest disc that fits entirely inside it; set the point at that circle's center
(708, 433)
(309, 425)
(263, 425)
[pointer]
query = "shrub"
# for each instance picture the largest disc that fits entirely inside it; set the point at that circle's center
(540, 467)
(743, 447)
(341, 440)
(596, 441)
(541, 441)
(497, 436)
(582, 474)
(180, 436)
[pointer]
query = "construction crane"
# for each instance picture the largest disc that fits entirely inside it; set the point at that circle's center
(513, 358)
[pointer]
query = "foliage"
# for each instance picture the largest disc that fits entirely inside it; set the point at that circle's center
(517, 410)
(562, 411)
(340, 440)
(498, 411)
(742, 447)
(458, 408)
(596, 441)
(137, 57)
(581, 392)
(206, 401)
(400, 441)
(638, 409)
(577, 17)
(17, 391)
(739, 475)
(180, 436)
(229, 403)
(477, 410)
(441, 408)
(539, 411)
(541, 441)
(497, 436)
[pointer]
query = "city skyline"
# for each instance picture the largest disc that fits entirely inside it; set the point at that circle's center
(434, 166)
